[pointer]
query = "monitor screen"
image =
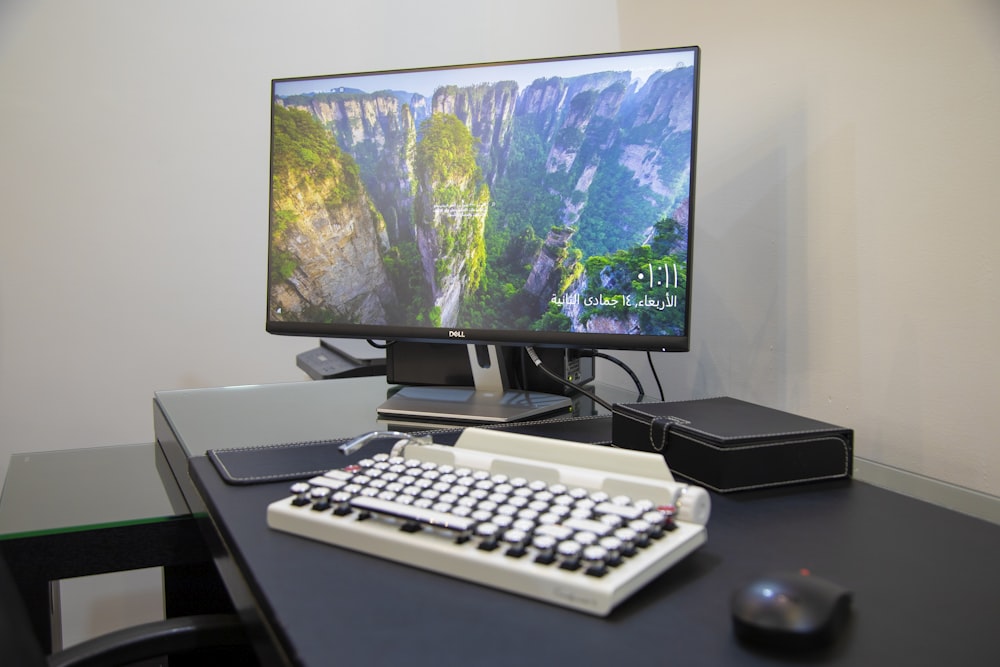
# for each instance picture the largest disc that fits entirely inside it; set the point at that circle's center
(543, 202)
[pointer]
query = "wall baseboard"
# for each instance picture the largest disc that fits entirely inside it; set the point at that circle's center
(954, 497)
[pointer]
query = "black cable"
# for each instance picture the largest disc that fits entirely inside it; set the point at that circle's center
(380, 346)
(656, 376)
(621, 364)
(589, 394)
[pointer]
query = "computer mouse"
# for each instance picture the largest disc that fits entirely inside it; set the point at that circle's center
(793, 610)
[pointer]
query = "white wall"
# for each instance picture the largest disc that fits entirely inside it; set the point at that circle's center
(134, 176)
(846, 241)
(845, 227)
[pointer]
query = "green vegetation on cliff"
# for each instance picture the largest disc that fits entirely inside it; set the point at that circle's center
(450, 177)
(500, 302)
(304, 158)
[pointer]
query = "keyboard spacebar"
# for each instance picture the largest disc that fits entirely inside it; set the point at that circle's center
(427, 517)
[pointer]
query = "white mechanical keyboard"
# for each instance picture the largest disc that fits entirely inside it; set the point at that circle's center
(576, 525)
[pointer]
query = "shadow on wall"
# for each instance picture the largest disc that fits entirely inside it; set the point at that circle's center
(749, 297)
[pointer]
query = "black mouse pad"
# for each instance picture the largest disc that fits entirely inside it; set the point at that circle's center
(261, 464)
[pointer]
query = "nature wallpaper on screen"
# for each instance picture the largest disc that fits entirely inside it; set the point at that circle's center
(543, 195)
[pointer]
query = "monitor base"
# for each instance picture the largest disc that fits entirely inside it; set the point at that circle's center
(470, 405)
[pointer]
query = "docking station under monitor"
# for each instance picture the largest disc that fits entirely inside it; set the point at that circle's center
(442, 364)
(473, 383)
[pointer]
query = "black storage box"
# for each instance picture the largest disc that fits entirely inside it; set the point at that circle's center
(726, 444)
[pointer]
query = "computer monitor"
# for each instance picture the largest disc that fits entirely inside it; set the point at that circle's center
(543, 203)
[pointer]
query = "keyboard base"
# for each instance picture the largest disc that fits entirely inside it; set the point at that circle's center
(428, 550)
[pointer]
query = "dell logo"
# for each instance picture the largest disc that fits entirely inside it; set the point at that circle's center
(456, 334)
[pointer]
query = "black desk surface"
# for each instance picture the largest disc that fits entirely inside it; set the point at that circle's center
(926, 584)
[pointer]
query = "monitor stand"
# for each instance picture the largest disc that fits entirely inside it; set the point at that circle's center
(491, 400)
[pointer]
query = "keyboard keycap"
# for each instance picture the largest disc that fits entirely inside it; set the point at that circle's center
(424, 516)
